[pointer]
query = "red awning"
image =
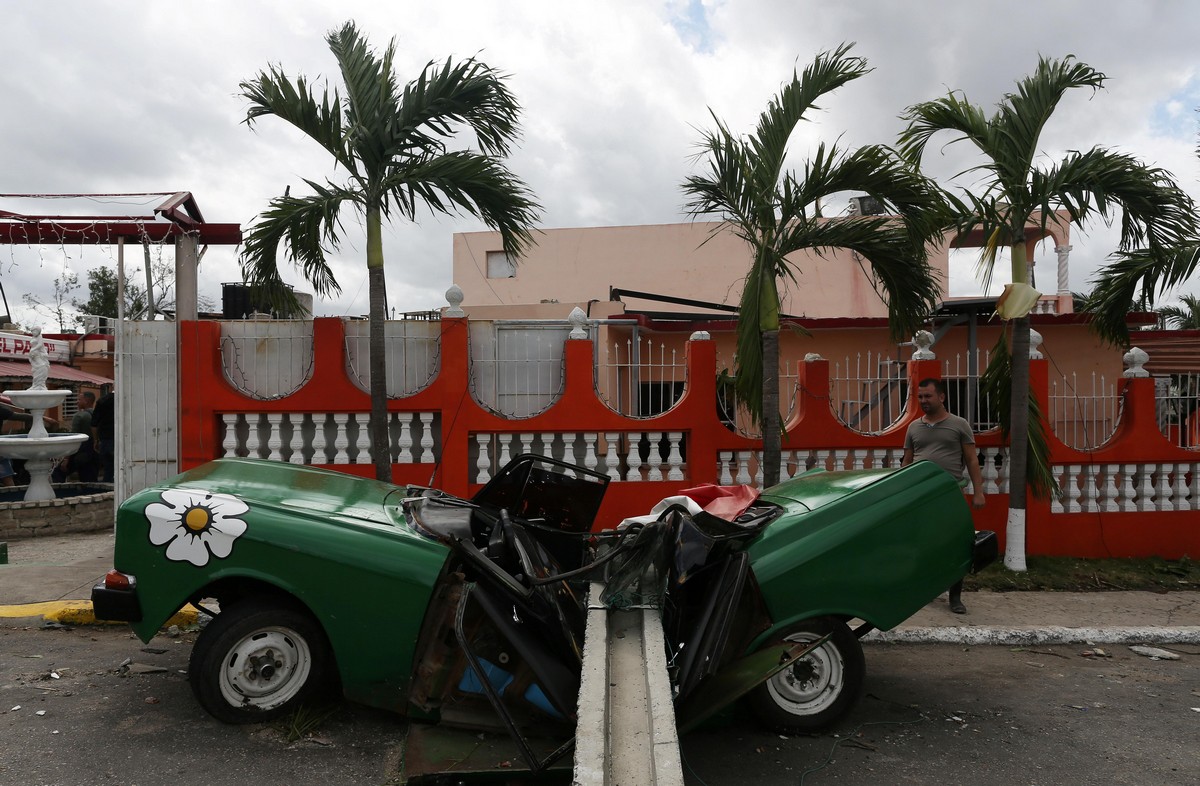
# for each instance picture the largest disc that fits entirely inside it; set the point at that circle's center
(11, 368)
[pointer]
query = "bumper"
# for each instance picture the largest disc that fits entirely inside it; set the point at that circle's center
(985, 550)
(116, 604)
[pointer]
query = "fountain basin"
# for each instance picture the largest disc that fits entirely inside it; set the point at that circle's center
(37, 399)
(52, 446)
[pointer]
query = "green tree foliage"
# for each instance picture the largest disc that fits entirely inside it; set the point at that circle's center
(778, 213)
(1017, 195)
(393, 145)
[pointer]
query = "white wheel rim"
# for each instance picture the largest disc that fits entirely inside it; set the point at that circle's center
(265, 669)
(811, 684)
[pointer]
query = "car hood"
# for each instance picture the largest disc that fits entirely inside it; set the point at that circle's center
(305, 491)
(817, 488)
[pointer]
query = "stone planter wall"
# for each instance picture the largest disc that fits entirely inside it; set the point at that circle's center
(83, 513)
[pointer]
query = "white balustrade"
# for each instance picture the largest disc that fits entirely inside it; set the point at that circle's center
(362, 440)
(274, 436)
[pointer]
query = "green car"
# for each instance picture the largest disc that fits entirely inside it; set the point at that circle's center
(456, 610)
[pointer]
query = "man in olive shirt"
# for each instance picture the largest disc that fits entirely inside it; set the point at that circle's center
(946, 440)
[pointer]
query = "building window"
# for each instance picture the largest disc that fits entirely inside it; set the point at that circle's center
(500, 266)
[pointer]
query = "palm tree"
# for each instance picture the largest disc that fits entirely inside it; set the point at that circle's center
(1018, 196)
(778, 213)
(393, 145)
(1185, 317)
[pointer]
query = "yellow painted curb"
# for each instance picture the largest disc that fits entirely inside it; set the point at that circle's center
(79, 612)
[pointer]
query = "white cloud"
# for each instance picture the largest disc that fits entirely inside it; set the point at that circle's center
(118, 97)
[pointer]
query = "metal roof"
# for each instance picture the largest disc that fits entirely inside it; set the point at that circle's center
(14, 368)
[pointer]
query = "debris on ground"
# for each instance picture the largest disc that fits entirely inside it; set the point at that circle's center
(1095, 652)
(1154, 653)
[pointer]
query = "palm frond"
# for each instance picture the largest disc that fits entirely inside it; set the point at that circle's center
(952, 112)
(1139, 270)
(472, 183)
(467, 92)
(371, 95)
(272, 92)
(1021, 116)
(827, 72)
(306, 227)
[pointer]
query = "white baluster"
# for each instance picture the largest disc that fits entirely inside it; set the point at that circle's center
(990, 473)
(405, 440)
(724, 459)
(1146, 500)
(274, 437)
(341, 440)
(1194, 487)
(1112, 493)
(483, 462)
(1180, 495)
(743, 468)
(526, 443)
(612, 455)
(1089, 488)
(504, 440)
(857, 458)
(362, 441)
(589, 450)
(839, 460)
(653, 458)
(1074, 478)
(230, 442)
(822, 459)
(1059, 473)
(253, 438)
(320, 441)
(426, 456)
(296, 443)
(568, 455)
(675, 459)
(785, 464)
(1163, 491)
(1128, 489)
(634, 461)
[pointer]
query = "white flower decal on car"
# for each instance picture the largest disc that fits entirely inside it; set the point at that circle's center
(194, 524)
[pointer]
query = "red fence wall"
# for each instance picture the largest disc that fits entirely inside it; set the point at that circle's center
(1153, 507)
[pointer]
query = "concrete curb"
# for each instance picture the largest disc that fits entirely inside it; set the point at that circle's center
(1046, 635)
(80, 612)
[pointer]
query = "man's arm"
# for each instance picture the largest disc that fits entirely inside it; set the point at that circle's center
(971, 459)
(907, 458)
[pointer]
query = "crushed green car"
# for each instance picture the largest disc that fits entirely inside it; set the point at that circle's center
(460, 610)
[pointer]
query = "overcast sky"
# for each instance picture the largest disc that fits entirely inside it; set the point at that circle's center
(108, 97)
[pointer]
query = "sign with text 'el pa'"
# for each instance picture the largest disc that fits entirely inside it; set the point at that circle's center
(17, 345)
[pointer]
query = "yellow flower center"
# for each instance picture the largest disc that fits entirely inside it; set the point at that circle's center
(197, 519)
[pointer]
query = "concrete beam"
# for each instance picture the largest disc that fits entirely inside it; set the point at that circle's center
(626, 728)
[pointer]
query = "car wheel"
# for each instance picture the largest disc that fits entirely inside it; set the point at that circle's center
(819, 688)
(258, 660)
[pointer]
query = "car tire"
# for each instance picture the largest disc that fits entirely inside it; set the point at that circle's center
(818, 689)
(258, 660)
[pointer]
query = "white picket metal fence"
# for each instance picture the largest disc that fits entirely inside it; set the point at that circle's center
(638, 377)
(1084, 413)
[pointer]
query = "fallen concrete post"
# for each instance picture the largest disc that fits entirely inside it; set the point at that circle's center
(626, 720)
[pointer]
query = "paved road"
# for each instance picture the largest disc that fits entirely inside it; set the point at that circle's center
(932, 714)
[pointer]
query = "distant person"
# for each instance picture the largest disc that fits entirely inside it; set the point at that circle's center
(85, 462)
(6, 468)
(946, 440)
(103, 427)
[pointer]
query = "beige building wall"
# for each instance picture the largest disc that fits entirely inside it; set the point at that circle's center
(581, 264)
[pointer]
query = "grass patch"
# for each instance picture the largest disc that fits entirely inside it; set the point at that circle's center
(304, 721)
(1069, 574)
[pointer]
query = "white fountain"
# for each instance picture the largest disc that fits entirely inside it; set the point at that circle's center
(39, 449)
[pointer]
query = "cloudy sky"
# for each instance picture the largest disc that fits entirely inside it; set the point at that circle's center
(118, 97)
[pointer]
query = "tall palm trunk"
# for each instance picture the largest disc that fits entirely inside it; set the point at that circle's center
(376, 348)
(1014, 548)
(1018, 433)
(771, 437)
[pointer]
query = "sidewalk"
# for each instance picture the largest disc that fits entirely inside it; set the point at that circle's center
(52, 578)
